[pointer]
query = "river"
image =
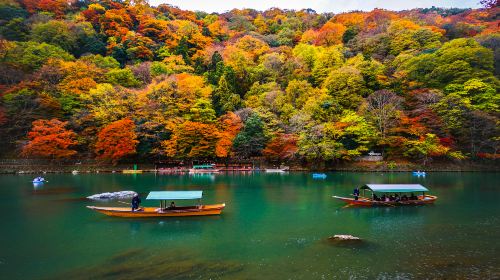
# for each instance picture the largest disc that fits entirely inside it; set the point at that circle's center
(275, 226)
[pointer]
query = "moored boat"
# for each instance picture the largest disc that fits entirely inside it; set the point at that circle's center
(131, 171)
(163, 210)
(319, 176)
(39, 180)
(277, 170)
(203, 168)
(374, 200)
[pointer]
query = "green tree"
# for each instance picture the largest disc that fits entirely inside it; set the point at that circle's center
(347, 86)
(482, 96)
(224, 99)
(456, 61)
(122, 77)
(202, 111)
(345, 139)
(251, 139)
(32, 55)
(15, 29)
(56, 33)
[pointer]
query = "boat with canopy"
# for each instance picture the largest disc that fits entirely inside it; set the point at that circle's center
(164, 210)
(203, 168)
(390, 195)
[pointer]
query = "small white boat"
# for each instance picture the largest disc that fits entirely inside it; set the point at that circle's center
(277, 170)
(74, 172)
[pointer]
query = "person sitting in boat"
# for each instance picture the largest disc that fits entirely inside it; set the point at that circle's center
(404, 197)
(136, 200)
(413, 197)
(356, 193)
(172, 205)
(397, 198)
(383, 197)
(375, 197)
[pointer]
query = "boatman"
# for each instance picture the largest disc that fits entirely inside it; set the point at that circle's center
(356, 193)
(136, 200)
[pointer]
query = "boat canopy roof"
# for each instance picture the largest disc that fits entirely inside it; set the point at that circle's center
(203, 166)
(172, 195)
(395, 188)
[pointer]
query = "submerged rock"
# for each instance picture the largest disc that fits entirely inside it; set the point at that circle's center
(344, 237)
(113, 195)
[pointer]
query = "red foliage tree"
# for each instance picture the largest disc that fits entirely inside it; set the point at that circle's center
(116, 140)
(282, 147)
(57, 7)
(50, 139)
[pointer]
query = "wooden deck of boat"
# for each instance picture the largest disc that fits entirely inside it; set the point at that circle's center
(363, 201)
(145, 212)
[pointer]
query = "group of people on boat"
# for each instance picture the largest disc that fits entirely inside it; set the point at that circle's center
(387, 198)
(136, 200)
(394, 197)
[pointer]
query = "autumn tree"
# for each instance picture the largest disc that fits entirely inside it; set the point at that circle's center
(116, 141)
(382, 109)
(425, 148)
(281, 147)
(347, 86)
(50, 139)
(330, 34)
(230, 127)
(192, 140)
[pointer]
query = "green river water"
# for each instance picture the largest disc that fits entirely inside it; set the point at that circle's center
(275, 226)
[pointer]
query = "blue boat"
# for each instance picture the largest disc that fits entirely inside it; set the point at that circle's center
(418, 173)
(39, 180)
(319, 176)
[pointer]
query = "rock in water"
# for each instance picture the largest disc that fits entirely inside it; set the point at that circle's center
(113, 195)
(344, 237)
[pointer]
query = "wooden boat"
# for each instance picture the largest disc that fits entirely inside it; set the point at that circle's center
(390, 189)
(163, 210)
(203, 168)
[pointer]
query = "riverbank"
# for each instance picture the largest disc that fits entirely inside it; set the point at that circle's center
(23, 167)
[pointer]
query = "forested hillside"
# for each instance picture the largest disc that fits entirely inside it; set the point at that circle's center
(118, 79)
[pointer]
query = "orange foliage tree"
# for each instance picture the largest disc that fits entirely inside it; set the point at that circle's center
(191, 140)
(330, 34)
(231, 125)
(116, 140)
(50, 139)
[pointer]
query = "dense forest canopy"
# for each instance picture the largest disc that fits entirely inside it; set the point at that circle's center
(122, 79)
